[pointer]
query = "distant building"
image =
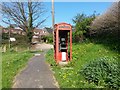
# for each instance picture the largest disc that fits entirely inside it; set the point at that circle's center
(13, 31)
(38, 34)
(49, 30)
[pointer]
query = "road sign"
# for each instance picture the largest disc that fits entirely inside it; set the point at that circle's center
(12, 39)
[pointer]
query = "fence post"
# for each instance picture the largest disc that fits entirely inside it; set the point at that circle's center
(16, 49)
(4, 48)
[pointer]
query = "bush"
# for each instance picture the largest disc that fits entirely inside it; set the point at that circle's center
(49, 38)
(105, 28)
(107, 23)
(20, 40)
(103, 72)
(82, 26)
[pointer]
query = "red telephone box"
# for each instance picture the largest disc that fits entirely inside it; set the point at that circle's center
(62, 42)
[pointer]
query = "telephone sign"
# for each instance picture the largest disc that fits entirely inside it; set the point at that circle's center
(67, 27)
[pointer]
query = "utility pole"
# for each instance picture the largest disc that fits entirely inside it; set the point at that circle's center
(53, 19)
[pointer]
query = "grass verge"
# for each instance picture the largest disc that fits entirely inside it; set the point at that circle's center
(69, 76)
(12, 63)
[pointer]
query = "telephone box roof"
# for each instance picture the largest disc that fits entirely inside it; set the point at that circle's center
(62, 23)
(63, 26)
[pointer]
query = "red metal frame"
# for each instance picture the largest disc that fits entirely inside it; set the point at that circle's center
(62, 29)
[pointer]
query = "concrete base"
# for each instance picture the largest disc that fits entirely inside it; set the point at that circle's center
(63, 63)
(37, 54)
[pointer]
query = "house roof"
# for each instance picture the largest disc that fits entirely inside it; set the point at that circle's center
(37, 30)
(1, 27)
(49, 30)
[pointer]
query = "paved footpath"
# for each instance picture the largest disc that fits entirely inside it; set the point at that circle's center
(37, 74)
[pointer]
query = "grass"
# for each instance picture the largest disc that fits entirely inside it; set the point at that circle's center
(69, 76)
(12, 63)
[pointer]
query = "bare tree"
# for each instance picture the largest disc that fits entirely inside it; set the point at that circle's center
(26, 15)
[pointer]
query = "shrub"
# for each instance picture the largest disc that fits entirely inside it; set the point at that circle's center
(107, 23)
(82, 26)
(106, 27)
(20, 40)
(49, 38)
(103, 72)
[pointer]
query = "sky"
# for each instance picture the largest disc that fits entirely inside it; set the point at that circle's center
(65, 11)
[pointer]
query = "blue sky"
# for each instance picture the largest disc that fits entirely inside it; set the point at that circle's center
(65, 11)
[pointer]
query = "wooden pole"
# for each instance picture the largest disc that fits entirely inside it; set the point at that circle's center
(53, 22)
(53, 19)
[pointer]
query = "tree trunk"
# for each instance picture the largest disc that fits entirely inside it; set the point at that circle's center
(29, 37)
